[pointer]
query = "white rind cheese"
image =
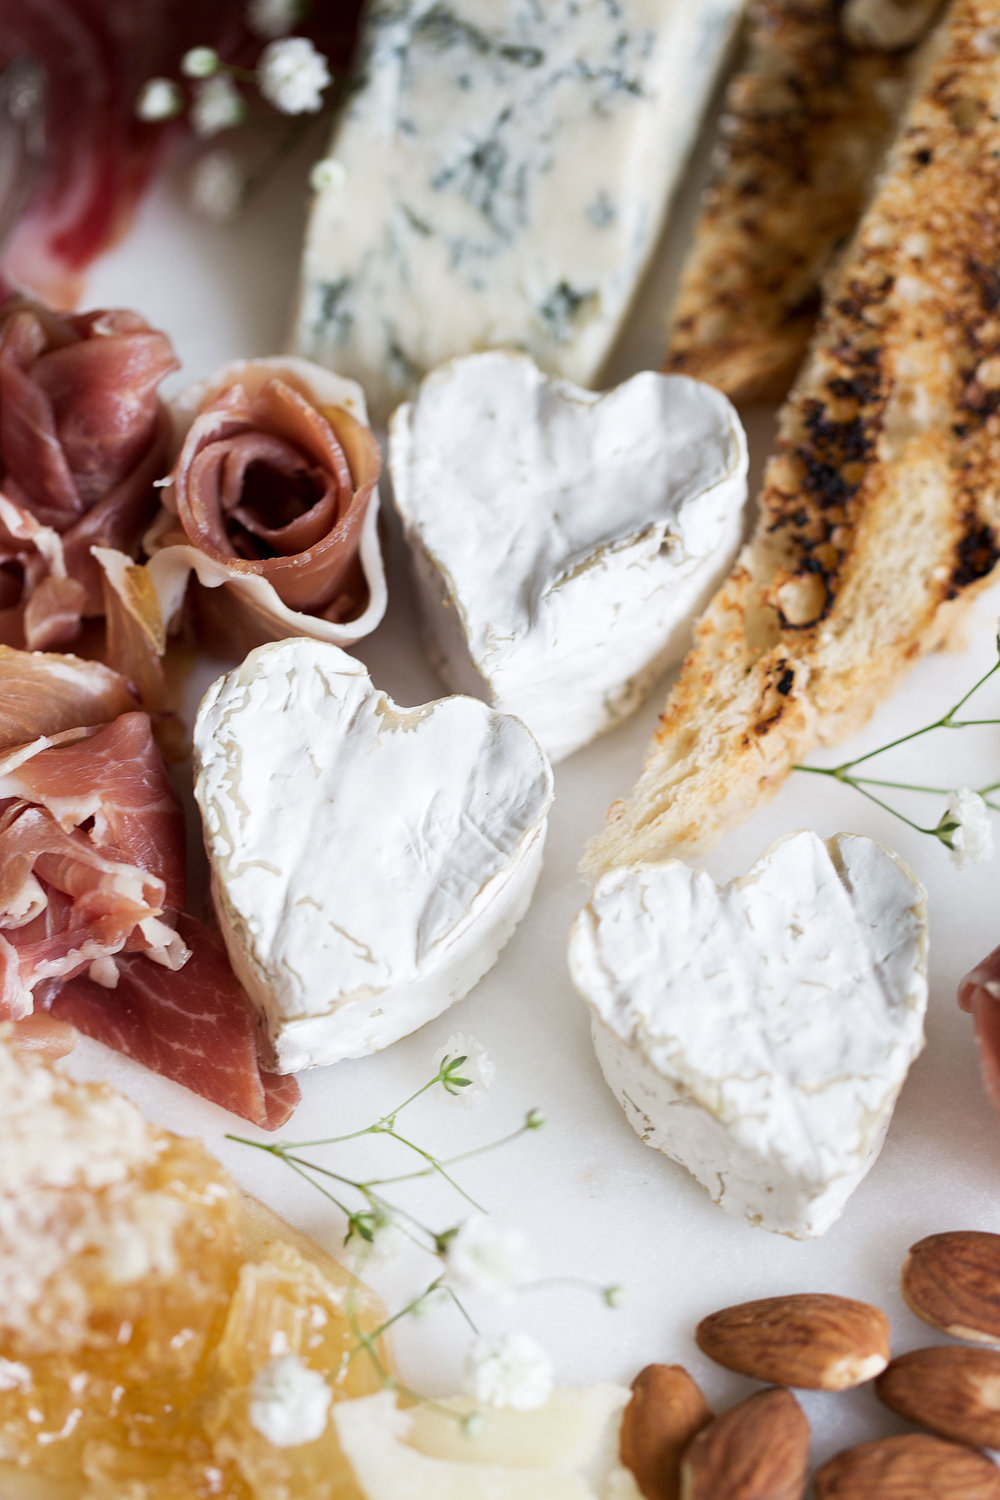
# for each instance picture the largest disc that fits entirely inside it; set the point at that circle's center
(500, 178)
(563, 541)
(368, 861)
(564, 1450)
(759, 1034)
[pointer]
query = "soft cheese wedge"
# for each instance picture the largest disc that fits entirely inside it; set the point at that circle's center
(759, 1033)
(368, 861)
(499, 178)
(563, 541)
(565, 1450)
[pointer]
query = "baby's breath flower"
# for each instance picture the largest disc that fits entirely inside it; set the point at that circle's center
(614, 1296)
(216, 186)
(465, 1067)
(328, 172)
(200, 62)
(289, 1402)
(965, 828)
(473, 1423)
(274, 18)
(513, 1370)
(159, 99)
(375, 1238)
(218, 105)
(534, 1119)
(485, 1259)
(292, 75)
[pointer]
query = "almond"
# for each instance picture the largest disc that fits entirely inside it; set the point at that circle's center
(914, 1467)
(666, 1410)
(952, 1281)
(757, 1451)
(953, 1391)
(820, 1342)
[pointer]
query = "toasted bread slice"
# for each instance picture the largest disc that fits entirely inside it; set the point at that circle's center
(880, 508)
(805, 125)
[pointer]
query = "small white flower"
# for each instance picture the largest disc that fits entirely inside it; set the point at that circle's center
(387, 1241)
(159, 99)
(289, 1402)
(470, 1078)
(273, 18)
(966, 829)
(487, 1260)
(328, 172)
(200, 62)
(513, 1370)
(292, 75)
(218, 105)
(216, 185)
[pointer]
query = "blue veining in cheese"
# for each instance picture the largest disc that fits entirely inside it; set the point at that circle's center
(506, 167)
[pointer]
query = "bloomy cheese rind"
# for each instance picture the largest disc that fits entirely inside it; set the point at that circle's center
(784, 1151)
(368, 861)
(562, 541)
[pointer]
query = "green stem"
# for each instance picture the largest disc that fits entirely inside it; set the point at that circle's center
(450, 1161)
(900, 786)
(895, 812)
(376, 1127)
(436, 1166)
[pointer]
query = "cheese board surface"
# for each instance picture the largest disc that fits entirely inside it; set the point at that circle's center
(596, 1203)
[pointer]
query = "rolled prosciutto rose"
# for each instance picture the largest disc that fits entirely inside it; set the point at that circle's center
(273, 506)
(83, 435)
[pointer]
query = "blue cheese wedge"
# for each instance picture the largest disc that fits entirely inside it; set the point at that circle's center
(368, 861)
(563, 541)
(499, 178)
(759, 1033)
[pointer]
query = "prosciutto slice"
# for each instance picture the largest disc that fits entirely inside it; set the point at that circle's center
(91, 857)
(83, 435)
(46, 694)
(272, 506)
(197, 1027)
(979, 993)
(92, 928)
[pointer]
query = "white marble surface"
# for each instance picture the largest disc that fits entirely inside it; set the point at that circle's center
(596, 1203)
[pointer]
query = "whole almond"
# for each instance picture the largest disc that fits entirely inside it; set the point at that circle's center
(812, 1340)
(667, 1408)
(952, 1281)
(914, 1467)
(955, 1392)
(759, 1450)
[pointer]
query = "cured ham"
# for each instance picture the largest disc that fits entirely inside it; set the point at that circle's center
(979, 993)
(197, 1027)
(91, 856)
(92, 895)
(47, 694)
(83, 435)
(273, 507)
(99, 157)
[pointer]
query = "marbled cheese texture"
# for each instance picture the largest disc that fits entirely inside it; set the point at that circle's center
(564, 541)
(499, 178)
(368, 861)
(759, 1033)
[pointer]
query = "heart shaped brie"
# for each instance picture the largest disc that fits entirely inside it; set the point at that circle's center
(759, 1033)
(563, 541)
(368, 861)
